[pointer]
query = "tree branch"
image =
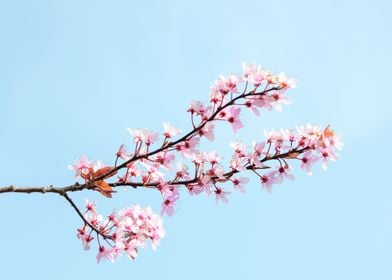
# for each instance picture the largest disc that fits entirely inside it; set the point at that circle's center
(79, 187)
(65, 195)
(45, 189)
(185, 137)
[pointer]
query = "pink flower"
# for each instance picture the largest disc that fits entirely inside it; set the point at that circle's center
(284, 82)
(238, 162)
(267, 180)
(327, 154)
(239, 147)
(216, 96)
(283, 173)
(208, 131)
(203, 184)
(93, 218)
(165, 189)
(249, 70)
(260, 101)
(289, 134)
(90, 206)
(254, 74)
(232, 116)
(253, 104)
(307, 161)
(143, 135)
(271, 135)
(197, 108)
(81, 166)
(170, 131)
(254, 160)
(238, 183)
(188, 147)
(213, 157)
(137, 134)
(308, 135)
(216, 171)
(168, 204)
(132, 171)
(131, 251)
(105, 254)
(194, 188)
(152, 173)
(150, 137)
(336, 141)
(198, 158)
(258, 148)
(85, 238)
(122, 153)
(330, 139)
(133, 227)
(165, 159)
(271, 78)
(221, 195)
(226, 85)
(277, 98)
(182, 171)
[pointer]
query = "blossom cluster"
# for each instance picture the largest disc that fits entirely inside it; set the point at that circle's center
(123, 231)
(170, 160)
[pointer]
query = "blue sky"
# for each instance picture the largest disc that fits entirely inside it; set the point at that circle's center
(74, 74)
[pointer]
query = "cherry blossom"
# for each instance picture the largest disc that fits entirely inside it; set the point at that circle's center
(221, 195)
(207, 131)
(213, 157)
(239, 147)
(254, 74)
(278, 99)
(307, 161)
(257, 89)
(238, 162)
(105, 253)
(122, 153)
(326, 156)
(238, 183)
(90, 206)
(182, 171)
(168, 204)
(85, 237)
(197, 108)
(170, 131)
(178, 164)
(232, 116)
(254, 103)
(286, 82)
(216, 97)
(282, 173)
(143, 135)
(137, 134)
(81, 166)
(188, 147)
(125, 230)
(226, 85)
(268, 180)
(165, 159)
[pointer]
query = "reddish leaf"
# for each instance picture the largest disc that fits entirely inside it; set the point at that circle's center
(328, 132)
(103, 187)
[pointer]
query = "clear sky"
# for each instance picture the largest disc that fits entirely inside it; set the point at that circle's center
(74, 74)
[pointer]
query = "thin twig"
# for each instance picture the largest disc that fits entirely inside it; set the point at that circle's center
(65, 195)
